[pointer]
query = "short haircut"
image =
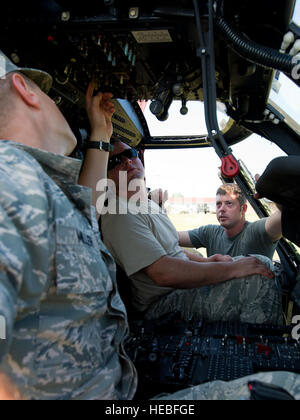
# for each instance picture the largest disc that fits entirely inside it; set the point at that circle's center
(233, 189)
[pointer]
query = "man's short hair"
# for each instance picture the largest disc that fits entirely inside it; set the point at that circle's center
(233, 189)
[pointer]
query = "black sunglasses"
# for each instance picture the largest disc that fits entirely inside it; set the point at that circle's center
(117, 159)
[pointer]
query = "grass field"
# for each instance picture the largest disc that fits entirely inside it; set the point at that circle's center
(184, 222)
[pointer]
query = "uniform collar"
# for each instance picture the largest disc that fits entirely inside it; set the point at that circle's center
(64, 171)
(66, 167)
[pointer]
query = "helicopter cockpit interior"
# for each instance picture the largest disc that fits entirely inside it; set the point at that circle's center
(223, 51)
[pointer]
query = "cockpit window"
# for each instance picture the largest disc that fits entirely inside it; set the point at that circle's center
(296, 16)
(285, 98)
(285, 94)
(191, 124)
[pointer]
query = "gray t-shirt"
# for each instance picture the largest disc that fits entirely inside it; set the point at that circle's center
(136, 241)
(252, 240)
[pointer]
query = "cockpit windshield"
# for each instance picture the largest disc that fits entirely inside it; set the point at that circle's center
(285, 97)
(296, 16)
(191, 124)
(285, 94)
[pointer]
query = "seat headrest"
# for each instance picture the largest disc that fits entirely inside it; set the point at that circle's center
(281, 181)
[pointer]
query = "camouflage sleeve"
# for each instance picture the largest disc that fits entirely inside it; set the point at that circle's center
(13, 259)
(23, 246)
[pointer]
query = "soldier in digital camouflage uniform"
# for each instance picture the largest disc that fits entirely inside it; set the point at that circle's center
(65, 321)
(238, 389)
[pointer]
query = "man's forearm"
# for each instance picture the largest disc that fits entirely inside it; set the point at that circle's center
(274, 226)
(94, 169)
(100, 110)
(181, 274)
(194, 275)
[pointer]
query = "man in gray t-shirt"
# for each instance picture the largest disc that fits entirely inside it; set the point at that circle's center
(235, 236)
(162, 277)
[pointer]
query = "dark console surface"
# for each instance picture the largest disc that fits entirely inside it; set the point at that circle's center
(171, 354)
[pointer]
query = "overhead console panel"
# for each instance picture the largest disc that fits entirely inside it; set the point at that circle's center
(141, 50)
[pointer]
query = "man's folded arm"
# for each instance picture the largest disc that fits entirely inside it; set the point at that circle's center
(274, 226)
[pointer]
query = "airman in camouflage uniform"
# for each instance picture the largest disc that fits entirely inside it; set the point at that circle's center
(65, 322)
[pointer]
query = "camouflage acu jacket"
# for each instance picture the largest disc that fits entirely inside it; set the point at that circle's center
(65, 322)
